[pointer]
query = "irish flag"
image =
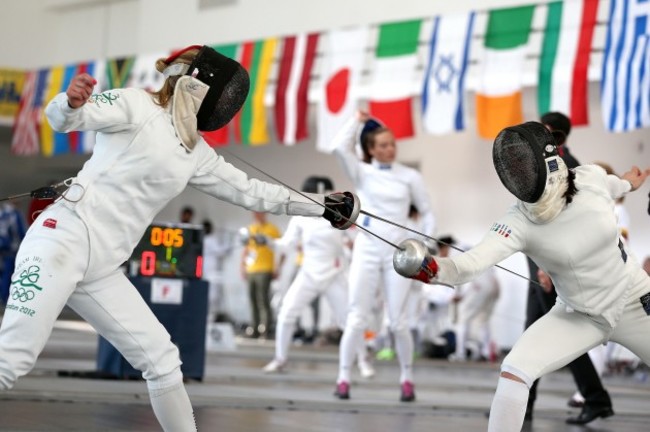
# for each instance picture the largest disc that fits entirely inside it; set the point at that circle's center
(565, 58)
(250, 122)
(291, 103)
(341, 68)
(498, 96)
(391, 88)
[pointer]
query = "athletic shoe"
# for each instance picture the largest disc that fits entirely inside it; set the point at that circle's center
(385, 354)
(408, 392)
(275, 366)
(366, 369)
(342, 390)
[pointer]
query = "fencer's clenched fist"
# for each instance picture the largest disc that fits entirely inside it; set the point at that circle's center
(80, 89)
(413, 260)
(342, 209)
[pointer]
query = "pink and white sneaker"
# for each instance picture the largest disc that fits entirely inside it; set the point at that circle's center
(408, 392)
(342, 390)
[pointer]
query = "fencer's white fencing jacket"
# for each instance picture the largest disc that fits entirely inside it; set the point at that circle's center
(322, 246)
(386, 192)
(138, 165)
(580, 249)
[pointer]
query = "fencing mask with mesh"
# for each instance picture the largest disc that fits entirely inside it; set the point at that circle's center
(218, 91)
(526, 160)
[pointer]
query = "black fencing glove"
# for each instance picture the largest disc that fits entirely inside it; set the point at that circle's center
(342, 209)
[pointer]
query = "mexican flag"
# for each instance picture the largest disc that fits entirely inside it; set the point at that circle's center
(564, 60)
(394, 69)
(498, 96)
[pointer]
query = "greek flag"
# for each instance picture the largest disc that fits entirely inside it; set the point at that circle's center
(444, 81)
(625, 87)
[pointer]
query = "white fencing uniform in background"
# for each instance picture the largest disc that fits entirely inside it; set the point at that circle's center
(386, 191)
(323, 272)
(73, 251)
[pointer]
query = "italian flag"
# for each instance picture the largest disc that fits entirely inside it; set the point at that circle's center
(296, 61)
(220, 137)
(391, 88)
(565, 58)
(498, 97)
(250, 122)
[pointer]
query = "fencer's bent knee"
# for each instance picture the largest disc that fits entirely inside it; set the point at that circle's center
(356, 321)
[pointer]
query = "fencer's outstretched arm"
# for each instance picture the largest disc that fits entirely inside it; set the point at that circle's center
(218, 178)
(344, 142)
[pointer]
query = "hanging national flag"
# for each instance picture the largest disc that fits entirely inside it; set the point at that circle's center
(11, 87)
(143, 73)
(86, 139)
(52, 88)
(250, 123)
(220, 137)
(498, 96)
(26, 136)
(391, 88)
(565, 58)
(340, 76)
(443, 105)
(625, 85)
(118, 72)
(296, 61)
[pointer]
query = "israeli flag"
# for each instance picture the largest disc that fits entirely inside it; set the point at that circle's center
(443, 107)
(625, 87)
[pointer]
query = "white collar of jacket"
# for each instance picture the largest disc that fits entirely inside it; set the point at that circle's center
(381, 165)
(189, 93)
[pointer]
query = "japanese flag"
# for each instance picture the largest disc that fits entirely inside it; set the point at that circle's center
(341, 74)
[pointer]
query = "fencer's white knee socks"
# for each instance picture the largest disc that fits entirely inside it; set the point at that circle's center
(508, 406)
(171, 404)
(404, 349)
(283, 337)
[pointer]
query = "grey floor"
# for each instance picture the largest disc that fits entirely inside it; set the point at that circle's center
(236, 396)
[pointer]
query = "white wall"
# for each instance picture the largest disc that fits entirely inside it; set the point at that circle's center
(466, 193)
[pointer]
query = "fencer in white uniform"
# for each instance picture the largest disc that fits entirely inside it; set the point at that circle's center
(323, 272)
(564, 220)
(145, 155)
(387, 189)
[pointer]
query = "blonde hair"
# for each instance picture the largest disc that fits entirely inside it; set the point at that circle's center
(164, 95)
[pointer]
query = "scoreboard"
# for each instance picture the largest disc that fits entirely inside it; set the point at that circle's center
(169, 250)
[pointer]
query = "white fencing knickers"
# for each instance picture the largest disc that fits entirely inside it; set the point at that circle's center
(50, 269)
(372, 267)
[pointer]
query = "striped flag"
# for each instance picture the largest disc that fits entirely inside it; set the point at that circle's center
(220, 137)
(25, 136)
(291, 103)
(251, 125)
(498, 96)
(340, 76)
(443, 108)
(625, 85)
(53, 87)
(565, 58)
(118, 72)
(391, 88)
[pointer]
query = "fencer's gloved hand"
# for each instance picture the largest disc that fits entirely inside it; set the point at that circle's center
(414, 261)
(342, 209)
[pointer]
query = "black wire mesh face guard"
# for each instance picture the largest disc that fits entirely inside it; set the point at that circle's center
(519, 154)
(229, 85)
